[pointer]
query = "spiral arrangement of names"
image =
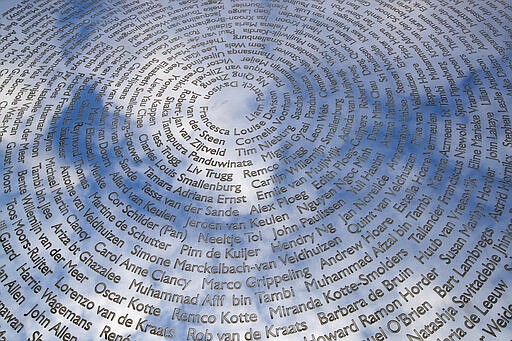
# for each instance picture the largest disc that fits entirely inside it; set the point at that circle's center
(255, 170)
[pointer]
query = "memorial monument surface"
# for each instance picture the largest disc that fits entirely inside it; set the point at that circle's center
(256, 170)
